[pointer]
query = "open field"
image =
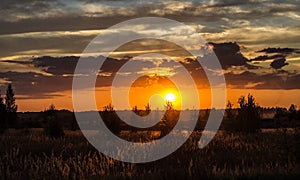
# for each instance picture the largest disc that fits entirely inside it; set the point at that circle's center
(32, 155)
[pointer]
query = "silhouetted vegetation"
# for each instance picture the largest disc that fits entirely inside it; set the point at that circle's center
(3, 122)
(292, 112)
(147, 108)
(229, 111)
(170, 119)
(249, 115)
(266, 155)
(53, 127)
(8, 109)
(111, 119)
(11, 107)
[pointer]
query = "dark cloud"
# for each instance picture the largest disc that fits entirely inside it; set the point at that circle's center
(278, 80)
(279, 50)
(18, 62)
(267, 57)
(278, 63)
(229, 54)
(60, 66)
(226, 3)
(12, 4)
(278, 55)
(56, 66)
(36, 44)
(69, 22)
(58, 75)
(35, 84)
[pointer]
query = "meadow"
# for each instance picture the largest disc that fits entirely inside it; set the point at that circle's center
(29, 154)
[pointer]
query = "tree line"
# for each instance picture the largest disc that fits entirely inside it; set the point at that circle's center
(246, 117)
(8, 109)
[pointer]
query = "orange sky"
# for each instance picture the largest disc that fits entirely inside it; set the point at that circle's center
(266, 98)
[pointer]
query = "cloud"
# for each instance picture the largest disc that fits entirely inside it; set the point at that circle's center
(42, 15)
(250, 23)
(266, 57)
(48, 75)
(56, 66)
(36, 85)
(278, 79)
(278, 56)
(278, 63)
(229, 54)
(16, 10)
(280, 50)
(40, 44)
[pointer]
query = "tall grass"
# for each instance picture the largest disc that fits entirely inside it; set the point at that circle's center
(229, 155)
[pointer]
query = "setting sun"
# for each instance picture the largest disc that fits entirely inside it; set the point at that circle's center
(170, 97)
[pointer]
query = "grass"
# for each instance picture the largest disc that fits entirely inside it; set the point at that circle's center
(270, 154)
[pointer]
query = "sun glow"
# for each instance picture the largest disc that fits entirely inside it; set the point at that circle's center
(170, 97)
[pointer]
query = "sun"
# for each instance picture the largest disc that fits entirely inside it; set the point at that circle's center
(170, 97)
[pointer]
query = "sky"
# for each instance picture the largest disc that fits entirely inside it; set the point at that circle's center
(256, 42)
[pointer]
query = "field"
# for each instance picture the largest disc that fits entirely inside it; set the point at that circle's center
(28, 154)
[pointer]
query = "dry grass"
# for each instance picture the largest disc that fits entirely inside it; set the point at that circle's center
(32, 155)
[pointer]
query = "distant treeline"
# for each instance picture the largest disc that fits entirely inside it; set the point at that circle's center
(236, 119)
(247, 117)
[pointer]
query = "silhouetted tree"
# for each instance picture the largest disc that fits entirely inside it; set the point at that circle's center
(249, 113)
(135, 109)
(169, 106)
(229, 111)
(51, 108)
(298, 115)
(148, 107)
(111, 119)
(280, 116)
(73, 123)
(292, 112)
(108, 107)
(11, 107)
(52, 128)
(169, 119)
(3, 111)
(206, 114)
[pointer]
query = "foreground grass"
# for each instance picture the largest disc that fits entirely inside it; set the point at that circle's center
(272, 154)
